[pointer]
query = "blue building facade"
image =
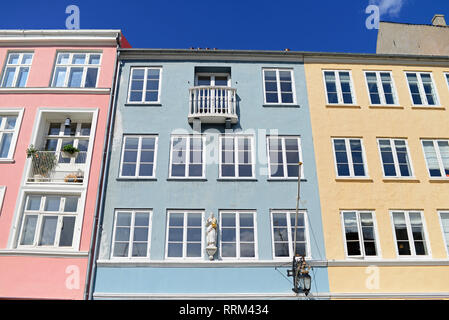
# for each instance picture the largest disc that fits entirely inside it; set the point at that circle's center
(198, 135)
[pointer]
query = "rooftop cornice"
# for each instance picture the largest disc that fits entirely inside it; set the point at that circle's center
(59, 37)
(280, 56)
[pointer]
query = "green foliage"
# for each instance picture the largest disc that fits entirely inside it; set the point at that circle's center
(70, 149)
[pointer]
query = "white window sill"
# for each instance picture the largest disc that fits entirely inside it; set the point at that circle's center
(180, 263)
(43, 252)
(7, 161)
(342, 105)
(187, 179)
(379, 262)
(354, 179)
(286, 179)
(237, 179)
(140, 104)
(64, 90)
(400, 179)
(423, 107)
(136, 179)
(280, 105)
(439, 180)
(385, 106)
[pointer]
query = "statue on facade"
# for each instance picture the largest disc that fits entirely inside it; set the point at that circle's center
(211, 237)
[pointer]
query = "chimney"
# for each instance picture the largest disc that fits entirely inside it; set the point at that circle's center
(438, 20)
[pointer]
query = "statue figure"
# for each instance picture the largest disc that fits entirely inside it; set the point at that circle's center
(211, 229)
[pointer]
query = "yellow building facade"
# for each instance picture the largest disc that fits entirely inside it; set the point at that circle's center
(383, 172)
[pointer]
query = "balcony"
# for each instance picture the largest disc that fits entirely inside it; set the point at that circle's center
(57, 167)
(213, 104)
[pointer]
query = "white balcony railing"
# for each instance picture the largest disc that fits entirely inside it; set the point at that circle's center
(53, 167)
(213, 104)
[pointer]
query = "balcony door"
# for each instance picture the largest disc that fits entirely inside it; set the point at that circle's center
(212, 93)
(60, 135)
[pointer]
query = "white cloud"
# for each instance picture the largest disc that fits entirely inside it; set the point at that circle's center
(389, 7)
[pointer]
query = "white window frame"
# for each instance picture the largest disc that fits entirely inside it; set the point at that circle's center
(421, 89)
(338, 87)
(17, 68)
(411, 241)
(290, 214)
(350, 161)
(131, 235)
(59, 214)
(446, 243)
(184, 240)
(2, 196)
(237, 236)
(395, 159)
(446, 78)
(236, 158)
(132, 69)
(380, 89)
(284, 157)
(139, 150)
(361, 238)
(278, 82)
(76, 138)
(187, 162)
(439, 159)
(212, 76)
(69, 67)
(19, 114)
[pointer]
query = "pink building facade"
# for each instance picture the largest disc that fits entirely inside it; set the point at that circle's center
(54, 92)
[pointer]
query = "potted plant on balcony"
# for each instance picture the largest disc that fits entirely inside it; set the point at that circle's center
(43, 162)
(69, 151)
(77, 177)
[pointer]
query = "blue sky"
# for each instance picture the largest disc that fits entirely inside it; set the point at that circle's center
(319, 25)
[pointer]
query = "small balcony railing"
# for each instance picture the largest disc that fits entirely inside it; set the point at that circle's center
(213, 104)
(57, 167)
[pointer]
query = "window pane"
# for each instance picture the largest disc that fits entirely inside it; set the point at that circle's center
(71, 204)
(13, 58)
(123, 219)
(281, 250)
(75, 77)
(193, 249)
(63, 58)
(228, 250)
(140, 234)
(79, 59)
(68, 227)
(121, 249)
(48, 231)
(431, 159)
(247, 235)
(142, 219)
(139, 250)
(94, 59)
(52, 203)
(445, 224)
(34, 203)
(9, 77)
(122, 233)
(91, 78)
(5, 144)
(29, 229)
(247, 250)
(59, 79)
(22, 77)
(444, 153)
(176, 219)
